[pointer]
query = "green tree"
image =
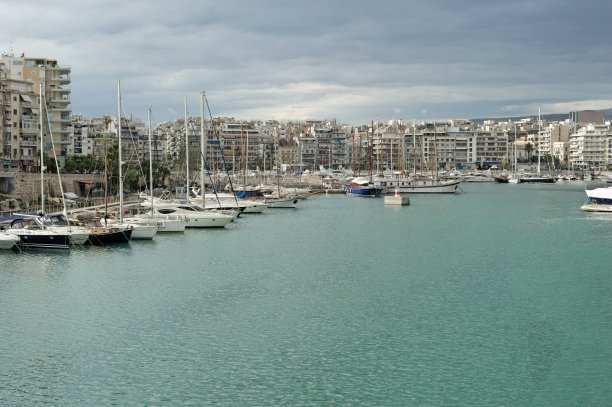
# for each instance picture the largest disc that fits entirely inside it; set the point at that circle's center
(50, 164)
(528, 150)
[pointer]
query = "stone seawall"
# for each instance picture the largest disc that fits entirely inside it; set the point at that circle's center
(27, 185)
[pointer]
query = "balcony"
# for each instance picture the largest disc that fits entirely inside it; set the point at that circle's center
(28, 143)
(30, 130)
(59, 91)
(61, 101)
(60, 70)
(60, 109)
(61, 119)
(63, 79)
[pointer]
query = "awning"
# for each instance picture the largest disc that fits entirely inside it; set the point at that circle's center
(26, 98)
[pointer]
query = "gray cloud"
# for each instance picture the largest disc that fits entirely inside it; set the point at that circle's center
(352, 60)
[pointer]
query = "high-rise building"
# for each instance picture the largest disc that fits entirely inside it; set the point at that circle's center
(55, 80)
(19, 118)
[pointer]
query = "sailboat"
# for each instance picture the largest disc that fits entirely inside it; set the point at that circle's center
(33, 233)
(142, 229)
(362, 186)
(196, 216)
(539, 178)
(223, 202)
(165, 223)
(102, 235)
(419, 183)
(278, 200)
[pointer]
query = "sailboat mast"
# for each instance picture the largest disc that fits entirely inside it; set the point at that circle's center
(514, 148)
(186, 152)
(120, 163)
(277, 159)
(203, 143)
(353, 153)
(539, 130)
(42, 154)
(105, 187)
(359, 156)
(414, 157)
(435, 149)
(243, 159)
(371, 150)
(150, 159)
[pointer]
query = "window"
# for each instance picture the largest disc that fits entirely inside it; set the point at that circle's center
(30, 63)
(17, 62)
(33, 73)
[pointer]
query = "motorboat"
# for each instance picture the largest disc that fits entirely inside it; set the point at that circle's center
(599, 200)
(195, 216)
(79, 235)
(8, 240)
(362, 187)
(32, 236)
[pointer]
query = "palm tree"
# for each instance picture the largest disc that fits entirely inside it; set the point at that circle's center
(528, 150)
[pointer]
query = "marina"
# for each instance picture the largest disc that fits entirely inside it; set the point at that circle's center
(495, 295)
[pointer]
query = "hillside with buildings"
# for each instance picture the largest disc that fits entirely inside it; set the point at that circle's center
(580, 140)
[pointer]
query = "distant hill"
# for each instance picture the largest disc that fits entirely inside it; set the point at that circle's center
(557, 117)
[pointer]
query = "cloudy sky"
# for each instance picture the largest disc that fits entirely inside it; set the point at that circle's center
(351, 60)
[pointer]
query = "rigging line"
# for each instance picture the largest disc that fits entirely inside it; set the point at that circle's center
(134, 145)
(221, 151)
(57, 169)
(202, 187)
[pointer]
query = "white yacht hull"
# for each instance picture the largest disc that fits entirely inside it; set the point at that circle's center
(8, 241)
(596, 208)
(209, 221)
(170, 223)
(426, 187)
(142, 229)
(282, 202)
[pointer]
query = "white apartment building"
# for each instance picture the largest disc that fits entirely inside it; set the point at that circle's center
(587, 147)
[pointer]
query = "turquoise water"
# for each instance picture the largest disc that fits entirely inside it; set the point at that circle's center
(498, 296)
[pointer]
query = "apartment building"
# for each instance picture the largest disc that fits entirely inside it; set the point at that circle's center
(54, 79)
(588, 147)
(19, 123)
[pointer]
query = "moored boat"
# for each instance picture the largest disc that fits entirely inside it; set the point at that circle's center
(362, 187)
(537, 180)
(420, 185)
(102, 235)
(599, 200)
(32, 236)
(8, 240)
